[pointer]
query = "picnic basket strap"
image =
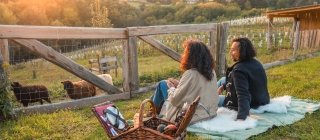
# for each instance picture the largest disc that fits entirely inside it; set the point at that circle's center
(187, 117)
(154, 114)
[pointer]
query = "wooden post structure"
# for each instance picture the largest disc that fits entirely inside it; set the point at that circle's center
(60, 60)
(222, 34)
(213, 46)
(4, 50)
(296, 37)
(269, 37)
(130, 65)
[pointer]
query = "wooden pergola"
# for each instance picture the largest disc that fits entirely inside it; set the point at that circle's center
(305, 27)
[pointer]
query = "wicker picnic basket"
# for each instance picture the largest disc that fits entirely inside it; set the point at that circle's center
(146, 129)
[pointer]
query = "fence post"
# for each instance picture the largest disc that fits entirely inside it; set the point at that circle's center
(296, 38)
(213, 45)
(130, 65)
(4, 50)
(222, 34)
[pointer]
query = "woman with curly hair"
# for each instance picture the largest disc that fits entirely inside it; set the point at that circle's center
(198, 79)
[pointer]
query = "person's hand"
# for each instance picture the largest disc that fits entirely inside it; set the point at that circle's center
(170, 84)
(220, 90)
(173, 81)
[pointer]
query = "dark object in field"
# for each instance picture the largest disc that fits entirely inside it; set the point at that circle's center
(79, 89)
(30, 94)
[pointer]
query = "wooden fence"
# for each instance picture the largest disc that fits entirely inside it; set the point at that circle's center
(27, 37)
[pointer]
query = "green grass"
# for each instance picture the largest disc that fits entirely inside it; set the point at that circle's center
(299, 79)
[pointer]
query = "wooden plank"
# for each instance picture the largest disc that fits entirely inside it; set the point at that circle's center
(293, 29)
(212, 43)
(317, 38)
(108, 68)
(80, 103)
(133, 59)
(91, 61)
(311, 38)
(125, 67)
(296, 39)
(50, 32)
(4, 50)
(108, 59)
(218, 57)
(222, 48)
(305, 39)
(73, 104)
(171, 29)
(161, 47)
(130, 65)
(60, 60)
(282, 15)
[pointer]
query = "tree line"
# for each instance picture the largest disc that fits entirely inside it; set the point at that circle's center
(111, 13)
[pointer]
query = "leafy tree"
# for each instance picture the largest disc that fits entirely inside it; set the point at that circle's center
(259, 3)
(70, 17)
(84, 15)
(30, 13)
(122, 14)
(6, 15)
(283, 3)
(251, 13)
(99, 15)
(247, 5)
(161, 13)
(56, 23)
(200, 19)
(186, 14)
(210, 10)
(232, 10)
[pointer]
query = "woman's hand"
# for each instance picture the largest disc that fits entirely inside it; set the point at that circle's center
(171, 82)
(220, 90)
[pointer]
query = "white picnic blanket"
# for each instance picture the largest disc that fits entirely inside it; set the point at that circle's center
(281, 111)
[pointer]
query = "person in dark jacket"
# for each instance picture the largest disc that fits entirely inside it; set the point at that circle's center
(246, 80)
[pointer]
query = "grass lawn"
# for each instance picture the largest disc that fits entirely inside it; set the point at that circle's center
(299, 79)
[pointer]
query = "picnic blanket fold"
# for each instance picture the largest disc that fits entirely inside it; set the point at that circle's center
(281, 111)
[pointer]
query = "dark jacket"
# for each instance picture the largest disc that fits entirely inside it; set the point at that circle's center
(246, 87)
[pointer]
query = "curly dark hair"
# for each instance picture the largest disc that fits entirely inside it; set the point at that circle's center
(197, 55)
(246, 49)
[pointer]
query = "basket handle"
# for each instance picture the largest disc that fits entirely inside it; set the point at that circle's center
(188, 116)
(154, 114)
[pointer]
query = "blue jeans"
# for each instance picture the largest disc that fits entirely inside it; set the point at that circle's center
(221, 81)
(160, 95)
(221, 100)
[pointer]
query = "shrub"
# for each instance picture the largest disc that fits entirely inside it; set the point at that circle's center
(6, 110)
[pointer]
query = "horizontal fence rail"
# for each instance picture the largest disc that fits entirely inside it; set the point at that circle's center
(49, 32)
(171, 29)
